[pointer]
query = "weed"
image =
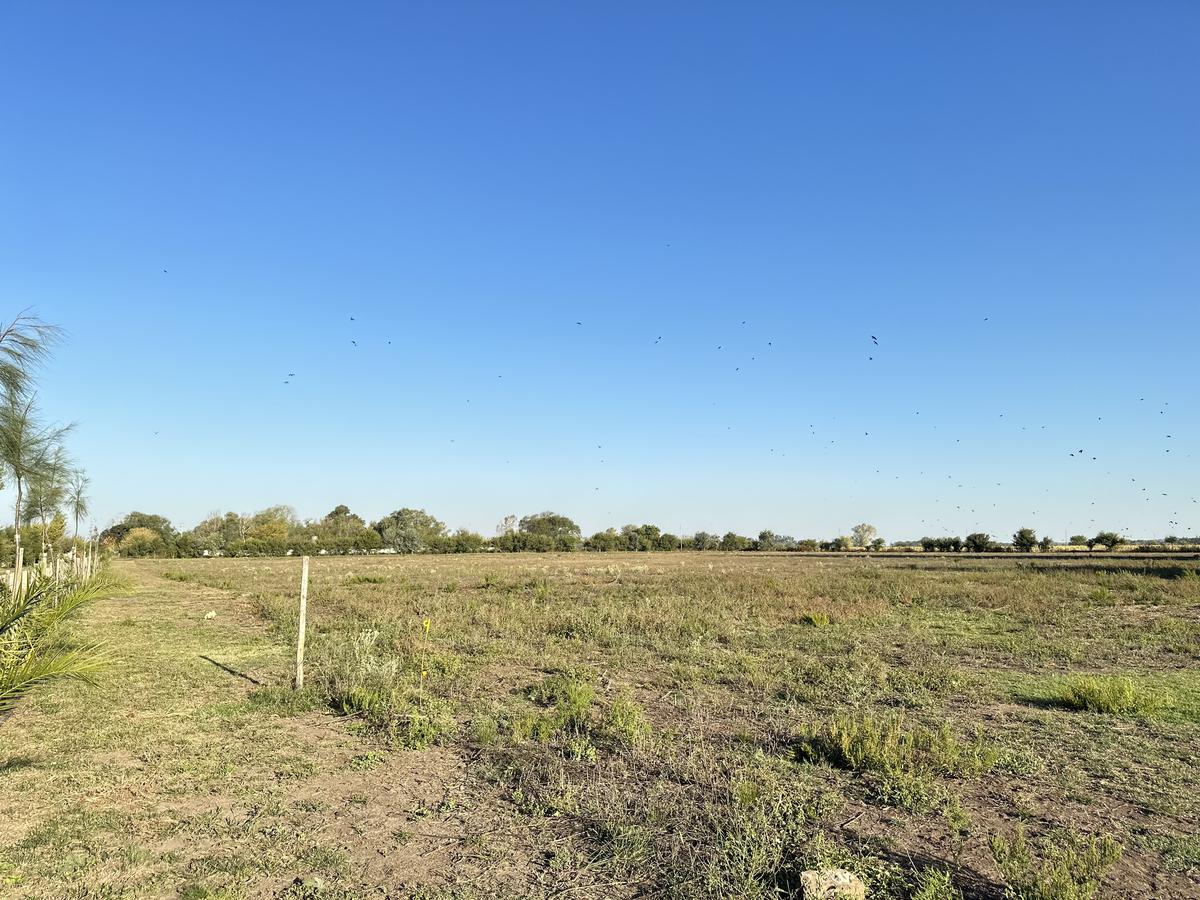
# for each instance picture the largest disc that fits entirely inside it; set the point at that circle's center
(934, 884)
(865, 743)
(625, 722)
(366, 579)
(1110, 694)
(1071, 866)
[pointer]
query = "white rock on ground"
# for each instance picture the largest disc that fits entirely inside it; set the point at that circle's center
(831, 884)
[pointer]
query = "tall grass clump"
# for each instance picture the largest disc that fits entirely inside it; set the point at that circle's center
(361, 677)
(1071, 867)
(902, 763)
(1110, 694)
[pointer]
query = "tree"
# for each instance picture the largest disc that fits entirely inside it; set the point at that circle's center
(141, 541)
(160, 525)
(767, 540)
(47, 492)
(409, 530)
(549, 523)
(26, 447)
(862, 534)
(1110, 539)
(702, 540)
(1046, 544)
(507, 525)
(978, 542)
(1078, 540)
(1024, 540)
(77, 498)
(24, 345)
(603, 541)
(339, 522)
(878, 544)
(563, 533)
(465, 541)
(733, 541)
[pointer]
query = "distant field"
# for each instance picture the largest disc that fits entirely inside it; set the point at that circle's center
(695, 725)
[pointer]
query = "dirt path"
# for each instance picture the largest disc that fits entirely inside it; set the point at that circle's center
(181, 776)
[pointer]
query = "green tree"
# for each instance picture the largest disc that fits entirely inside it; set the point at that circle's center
(702, 540)
(1024, 540)
(862, 534)
(1110, 539)
(25, 344)
(47, 493)
(1078, 540)
(160, 525)
(734, 541)
(409, 530)
(978, 542)
(1046, 544)
(549, 523)
(563, 533)
(767, 540)
(27, 448)
(141, 541)
(77, 498)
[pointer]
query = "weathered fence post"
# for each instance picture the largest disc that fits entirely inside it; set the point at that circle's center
(300, 629)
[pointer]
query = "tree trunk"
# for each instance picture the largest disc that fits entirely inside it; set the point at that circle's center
(17, 519)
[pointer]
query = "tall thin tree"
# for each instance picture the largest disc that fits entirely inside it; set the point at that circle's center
(26, 447)
(25, 343)
(78, 501)
(48, 492)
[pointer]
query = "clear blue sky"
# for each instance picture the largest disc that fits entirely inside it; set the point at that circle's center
(1006, 195)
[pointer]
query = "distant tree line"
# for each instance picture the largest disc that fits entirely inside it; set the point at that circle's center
(1024, 540)
(277, 530)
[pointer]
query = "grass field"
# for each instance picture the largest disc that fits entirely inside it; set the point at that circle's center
(676, 725)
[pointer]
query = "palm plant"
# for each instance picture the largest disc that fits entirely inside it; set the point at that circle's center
(31, 652)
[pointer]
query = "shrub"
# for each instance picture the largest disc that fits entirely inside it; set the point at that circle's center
(1071, 868)
(934, 884)
(866, 743)
(625, 722)
(1109, 694)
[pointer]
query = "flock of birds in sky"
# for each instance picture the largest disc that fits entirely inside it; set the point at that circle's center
(1175, 522)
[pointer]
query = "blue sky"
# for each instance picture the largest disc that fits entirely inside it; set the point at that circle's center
(1006, 196)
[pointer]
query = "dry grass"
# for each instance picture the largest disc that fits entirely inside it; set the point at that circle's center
(688, 724)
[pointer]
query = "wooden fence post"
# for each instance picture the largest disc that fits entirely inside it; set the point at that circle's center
(303, 619)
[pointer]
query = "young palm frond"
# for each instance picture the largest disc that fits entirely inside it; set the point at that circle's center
(79, 664)
(30, 651)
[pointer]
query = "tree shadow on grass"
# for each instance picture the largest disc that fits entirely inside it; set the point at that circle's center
(231, 671)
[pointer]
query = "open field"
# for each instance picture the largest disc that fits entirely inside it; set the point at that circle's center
(695, 725)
